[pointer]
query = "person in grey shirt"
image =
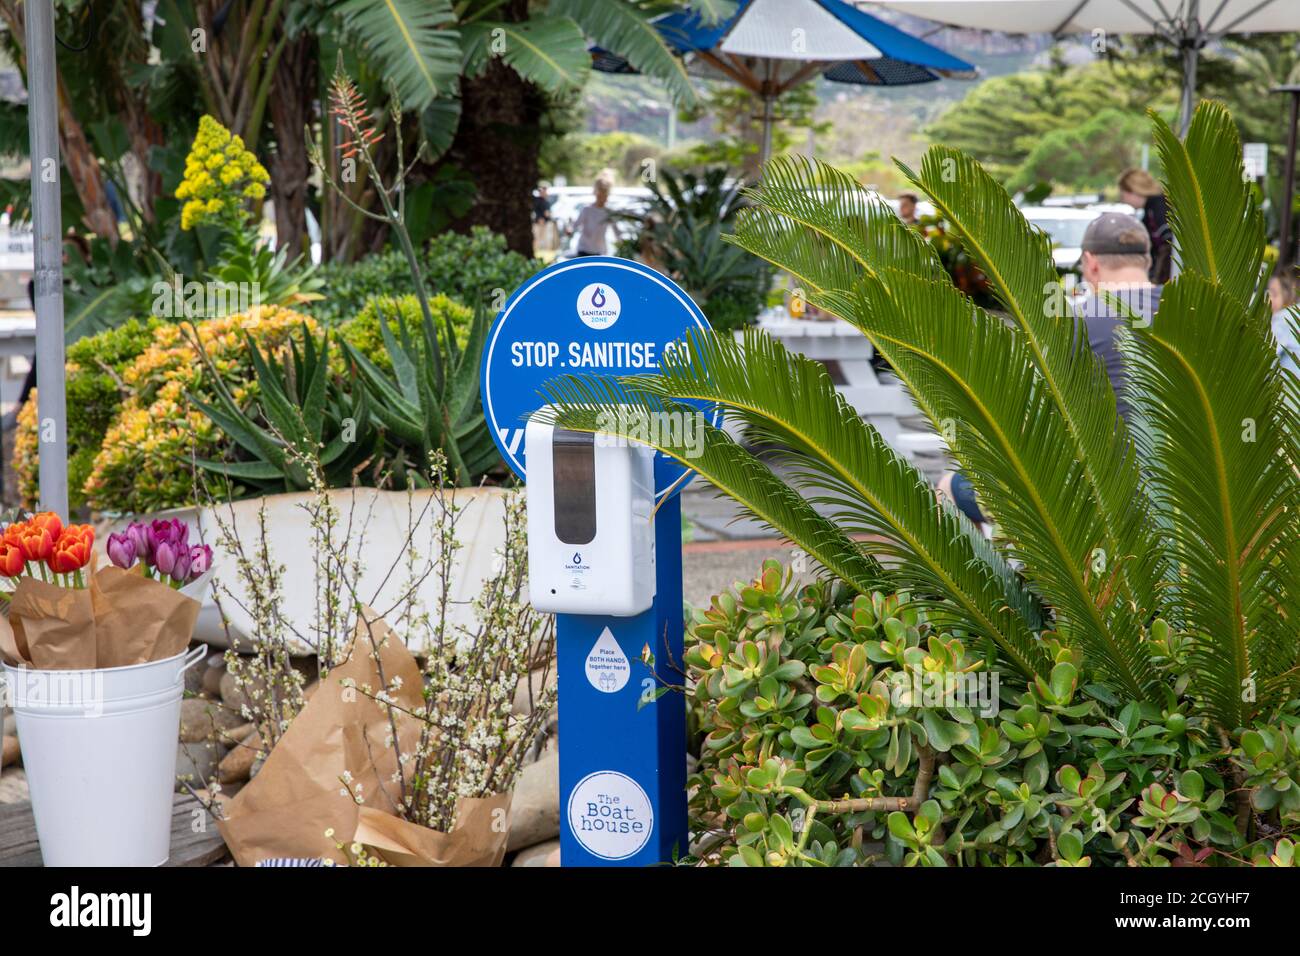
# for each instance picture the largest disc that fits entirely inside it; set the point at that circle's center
(1115, 264)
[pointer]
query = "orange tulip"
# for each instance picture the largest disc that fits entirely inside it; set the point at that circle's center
(14, 532)
(37, 543)
(72, 551)
(12, 559)
(49, 521)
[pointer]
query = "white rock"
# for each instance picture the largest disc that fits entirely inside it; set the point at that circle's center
(544, 854)
(533, 681)
(535, 807)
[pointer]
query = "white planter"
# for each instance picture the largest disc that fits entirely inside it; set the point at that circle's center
(99, 747)
(480, 530)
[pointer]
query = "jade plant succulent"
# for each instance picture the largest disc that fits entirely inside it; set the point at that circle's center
(838, 729)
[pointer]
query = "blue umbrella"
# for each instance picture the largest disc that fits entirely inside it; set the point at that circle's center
(771, 46)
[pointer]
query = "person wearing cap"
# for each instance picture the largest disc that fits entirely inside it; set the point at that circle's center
(1116, 264)
(1140, 190)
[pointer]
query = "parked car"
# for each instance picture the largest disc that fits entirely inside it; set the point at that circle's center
(1065, 226)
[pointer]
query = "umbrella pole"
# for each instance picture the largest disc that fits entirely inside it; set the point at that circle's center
(1191, 56)
(47, 232)
(769, 119)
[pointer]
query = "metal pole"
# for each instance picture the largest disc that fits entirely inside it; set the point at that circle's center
(47, 249)
(768, 120)
(1188, 103)
(1284, 256)
(1193, 38)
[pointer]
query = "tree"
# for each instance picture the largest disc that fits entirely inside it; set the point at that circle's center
(1090, 156)
(1002, 120)
(474, 79)
(737, 115)
(1134, 554)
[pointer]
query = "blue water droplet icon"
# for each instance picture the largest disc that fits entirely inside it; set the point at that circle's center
(598, 297)
(577, 558)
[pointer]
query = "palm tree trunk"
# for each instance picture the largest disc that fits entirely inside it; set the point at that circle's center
(497, 143)
(292, 92)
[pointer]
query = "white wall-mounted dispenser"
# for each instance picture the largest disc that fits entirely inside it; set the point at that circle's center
(591, 539)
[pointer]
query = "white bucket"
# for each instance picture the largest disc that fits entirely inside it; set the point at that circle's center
(99, 750)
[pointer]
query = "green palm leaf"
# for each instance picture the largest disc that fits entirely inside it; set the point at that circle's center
(828, 224)
(977, 378)
(594, 404)
(413, 42)
(1212, 389)
(843, 462)
(1218, 226)
(548, 51)
(1017, 260)
(625, 29)
(710, 11)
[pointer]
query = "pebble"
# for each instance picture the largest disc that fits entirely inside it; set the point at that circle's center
(543, 854)
(535, 808)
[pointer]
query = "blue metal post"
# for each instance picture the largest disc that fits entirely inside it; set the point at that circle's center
(623, 763)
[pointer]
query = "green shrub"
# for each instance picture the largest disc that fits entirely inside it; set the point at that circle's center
(143, 463)
(841, 729)
(362, 330)
(94, 394)
(468, 268)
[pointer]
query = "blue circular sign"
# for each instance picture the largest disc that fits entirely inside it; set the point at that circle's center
(593, 315)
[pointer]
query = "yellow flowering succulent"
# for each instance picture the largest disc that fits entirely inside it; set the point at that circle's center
(221, 175)
(143, 463)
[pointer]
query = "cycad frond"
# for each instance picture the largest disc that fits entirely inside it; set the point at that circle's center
(843, 462)
(1212, 210)
(1017, 260)
(595, 404)
(1212, 388)
(804, 207)
(979, 378)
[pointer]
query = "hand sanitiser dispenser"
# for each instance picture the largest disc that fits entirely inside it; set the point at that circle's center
(591, 547)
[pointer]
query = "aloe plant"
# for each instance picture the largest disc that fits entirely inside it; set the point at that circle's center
(422, 412)
(431, 402)
(1137, 552)
(309, 416)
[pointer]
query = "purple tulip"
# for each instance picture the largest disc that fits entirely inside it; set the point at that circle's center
(181, 570)
(200, 560)
(121, 549)
(164, 557)
(138, 534)
(174, 531)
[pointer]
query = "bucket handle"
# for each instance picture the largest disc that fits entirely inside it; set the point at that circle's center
(192, 658)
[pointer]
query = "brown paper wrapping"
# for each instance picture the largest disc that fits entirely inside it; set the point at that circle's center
(138, 619)
(56, 624)
(12, 652)
(477, 839)
(299, 794)
(122, 618)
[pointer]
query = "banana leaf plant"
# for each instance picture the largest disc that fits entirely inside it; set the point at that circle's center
(1162, 557)
(305, 414)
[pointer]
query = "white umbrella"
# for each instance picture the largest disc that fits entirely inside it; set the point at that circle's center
(1187, 25)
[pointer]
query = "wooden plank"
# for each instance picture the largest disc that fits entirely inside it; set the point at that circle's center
(195, 840)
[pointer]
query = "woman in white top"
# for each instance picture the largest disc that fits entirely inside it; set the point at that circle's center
(593, 221)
